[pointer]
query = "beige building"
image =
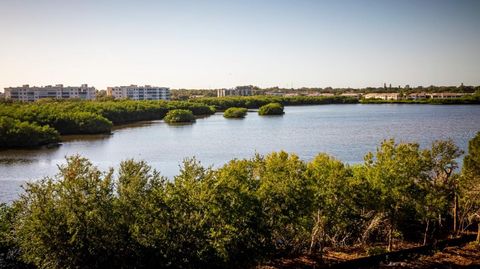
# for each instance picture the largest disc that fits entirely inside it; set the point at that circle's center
(417, 96)
(445, 95)
(321, 94)
(135, 92)
(383, 96)
(275, 93)
(26, 93)
(291, 94)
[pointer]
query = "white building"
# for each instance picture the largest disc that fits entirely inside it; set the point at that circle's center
(135, 92)
(383, 96)
(237, 91)
(26, 93)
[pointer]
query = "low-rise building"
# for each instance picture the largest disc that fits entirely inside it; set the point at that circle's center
(291, 94)
(237, 91)
(445, 95)
(383, 96)
(352, 95)
(275, 93)
(321, 94)
(26, 93)
(135, 92)
(417, 96)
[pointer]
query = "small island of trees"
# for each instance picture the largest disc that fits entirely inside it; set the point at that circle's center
(179, 116)
(271, 109)
(235, 112)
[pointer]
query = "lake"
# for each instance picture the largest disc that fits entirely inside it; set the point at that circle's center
(347, 132)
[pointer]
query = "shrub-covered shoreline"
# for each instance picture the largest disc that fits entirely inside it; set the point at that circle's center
(243, 213)
(87, 117)
(252, 102)
(93, 117)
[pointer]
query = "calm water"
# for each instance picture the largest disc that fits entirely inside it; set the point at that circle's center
(345, 131)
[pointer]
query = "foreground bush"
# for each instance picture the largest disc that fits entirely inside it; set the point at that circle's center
(235, 112)
(179, 116)
(271, 109)
(24, 134)
(239, 214)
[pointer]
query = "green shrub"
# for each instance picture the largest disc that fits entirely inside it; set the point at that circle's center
(179, 115)
(9, 252)
(231, 217)
(15, 133)
(235, 112)
(271, 109)
(81, 123)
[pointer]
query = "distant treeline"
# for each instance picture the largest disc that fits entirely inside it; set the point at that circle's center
(243, 213)
(465, 100)
(222, 103)
(184, 94)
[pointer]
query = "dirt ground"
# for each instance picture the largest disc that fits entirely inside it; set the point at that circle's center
(467, 256)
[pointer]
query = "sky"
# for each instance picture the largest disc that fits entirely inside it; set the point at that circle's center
(222, 44)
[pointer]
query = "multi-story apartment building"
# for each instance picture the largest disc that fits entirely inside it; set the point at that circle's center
(26, 93)
(237, 91)
(135, 92)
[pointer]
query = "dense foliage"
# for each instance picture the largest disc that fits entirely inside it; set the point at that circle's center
(239, 214)
(179, 115)
(271, 109)
(235, 112)
(470, 187)
(89, 117)
(222, 103)
(25, 134)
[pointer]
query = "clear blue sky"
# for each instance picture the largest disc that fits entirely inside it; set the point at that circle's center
(210, 44)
